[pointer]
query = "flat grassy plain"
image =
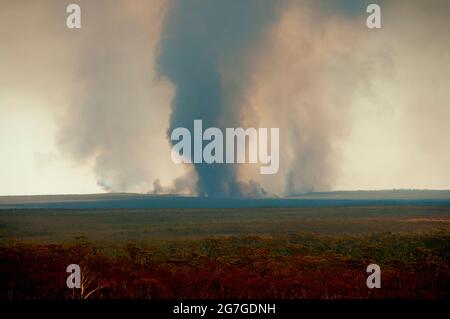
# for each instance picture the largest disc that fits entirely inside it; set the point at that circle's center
(50, 225)
(307, 252)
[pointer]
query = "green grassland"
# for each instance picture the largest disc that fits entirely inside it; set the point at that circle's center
(379, 233)
(47, 226)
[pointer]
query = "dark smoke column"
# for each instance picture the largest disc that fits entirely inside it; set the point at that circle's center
(199, 40)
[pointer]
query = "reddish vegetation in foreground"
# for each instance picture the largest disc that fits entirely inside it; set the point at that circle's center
(38, 271)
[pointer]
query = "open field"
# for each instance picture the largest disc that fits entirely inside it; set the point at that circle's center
(308, 252)
(50, 225)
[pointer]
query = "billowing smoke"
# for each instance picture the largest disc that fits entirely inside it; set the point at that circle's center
(304, 82)
(324, 76)
(119, 107)
(356, 108)
(204, 51)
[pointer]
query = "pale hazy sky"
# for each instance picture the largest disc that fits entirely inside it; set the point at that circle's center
(84, 111)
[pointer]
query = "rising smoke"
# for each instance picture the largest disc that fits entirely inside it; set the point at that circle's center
(200, 40)
(119, 110)
(138, 69)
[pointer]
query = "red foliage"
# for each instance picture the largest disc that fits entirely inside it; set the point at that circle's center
(38, 271)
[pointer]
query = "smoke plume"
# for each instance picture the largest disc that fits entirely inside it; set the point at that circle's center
(201, 42)
(356, 108)
(119, 107)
